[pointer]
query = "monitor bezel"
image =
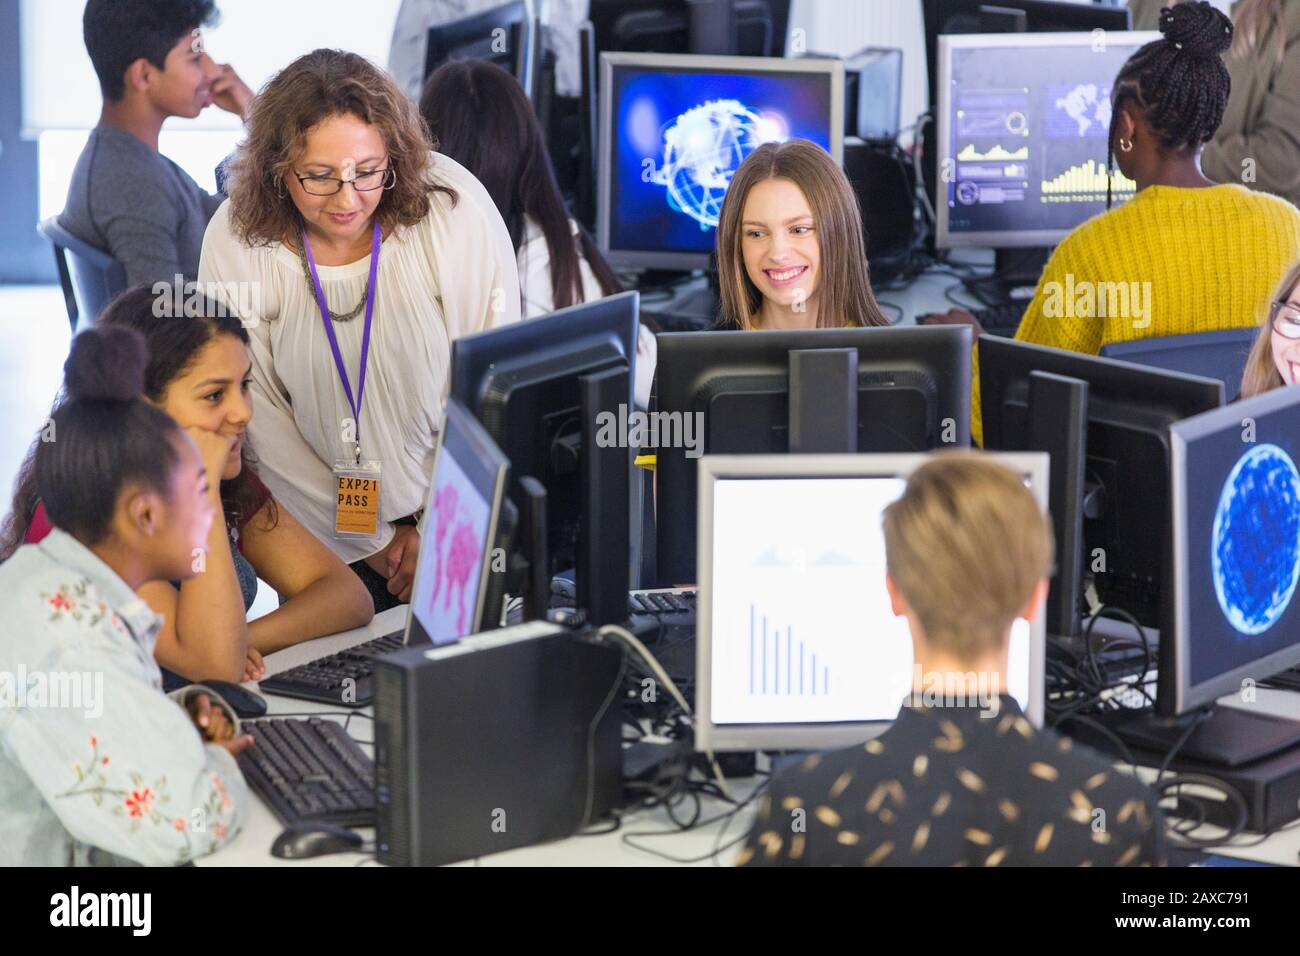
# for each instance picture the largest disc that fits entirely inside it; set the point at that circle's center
(484, 448)
(710, 737)
(1026, 238)
(682, 62)
(1189, 697)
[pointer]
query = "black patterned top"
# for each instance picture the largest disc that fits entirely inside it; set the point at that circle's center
(948, 786)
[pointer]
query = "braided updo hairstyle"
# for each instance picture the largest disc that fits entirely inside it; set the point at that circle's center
(1179, 81)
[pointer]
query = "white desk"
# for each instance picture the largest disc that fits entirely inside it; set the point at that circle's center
(252, 847)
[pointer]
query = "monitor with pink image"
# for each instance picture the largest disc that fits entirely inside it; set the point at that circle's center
(457, 533)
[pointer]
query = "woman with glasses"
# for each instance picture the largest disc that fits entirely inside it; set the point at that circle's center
(1275, 359)
(365, 255)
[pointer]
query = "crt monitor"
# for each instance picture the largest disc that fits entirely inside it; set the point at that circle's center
(449, 596)
(530, 384)
(1125, 450)
(733, 390)
(666, 26)
(506, 35)
(796, 645)
(674, 129)
(1024, 121)
(1236, 527)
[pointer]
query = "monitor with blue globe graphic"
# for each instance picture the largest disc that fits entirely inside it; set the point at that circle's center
(1237, 542)
(676, 128)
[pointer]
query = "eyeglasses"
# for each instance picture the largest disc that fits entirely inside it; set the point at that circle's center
(1285, 317)
(363, 183)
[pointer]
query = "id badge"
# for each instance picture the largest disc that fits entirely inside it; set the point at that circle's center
(356, 500)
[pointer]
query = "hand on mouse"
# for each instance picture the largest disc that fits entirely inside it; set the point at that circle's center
(952, 317)
(212, 720)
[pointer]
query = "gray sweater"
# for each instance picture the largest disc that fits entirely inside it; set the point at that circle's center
(138, 206)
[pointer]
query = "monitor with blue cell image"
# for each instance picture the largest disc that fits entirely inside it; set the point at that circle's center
(673, 131)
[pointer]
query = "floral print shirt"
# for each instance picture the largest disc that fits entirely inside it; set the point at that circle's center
(97, 765)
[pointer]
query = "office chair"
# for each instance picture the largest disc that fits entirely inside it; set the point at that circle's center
(1220, 355)
(90, 279)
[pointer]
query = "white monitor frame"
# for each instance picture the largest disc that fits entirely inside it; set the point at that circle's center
(710, 737)
(685, 63)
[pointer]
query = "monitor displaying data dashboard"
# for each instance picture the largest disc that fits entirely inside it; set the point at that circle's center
(1024, 122)
(673, 131)
(797, 645)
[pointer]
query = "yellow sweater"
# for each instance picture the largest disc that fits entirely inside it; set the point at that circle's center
(1169, 262)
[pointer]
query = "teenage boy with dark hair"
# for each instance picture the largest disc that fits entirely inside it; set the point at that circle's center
(125, 197)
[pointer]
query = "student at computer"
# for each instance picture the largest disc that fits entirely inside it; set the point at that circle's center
(1185, 254)
(197, 372)
(1274, 361)
(791, 253)
(479, 116)
(1259, 139)
(961, 779)
(369, 254)
(125, 197)
(112, 770)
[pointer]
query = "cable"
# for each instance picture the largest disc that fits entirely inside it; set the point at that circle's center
(1197, 719)
(1171, 786)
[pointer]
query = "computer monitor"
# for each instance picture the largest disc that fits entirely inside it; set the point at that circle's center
(673, 131)
(506, 35)
(769, 392)
(1235, 492)
(873, 91)
(1024, 122)
(1221, 354)
(448, 598)
(1110, 463)
(541, 389)
(796, 645)
(757, 27)
(953, 17)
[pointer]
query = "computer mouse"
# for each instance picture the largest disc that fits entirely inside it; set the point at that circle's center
(244, 702)
(310, 838)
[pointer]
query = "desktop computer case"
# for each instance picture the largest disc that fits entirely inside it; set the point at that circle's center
(484, 749)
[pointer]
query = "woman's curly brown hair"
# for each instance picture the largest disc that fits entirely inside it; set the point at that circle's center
(311, 89)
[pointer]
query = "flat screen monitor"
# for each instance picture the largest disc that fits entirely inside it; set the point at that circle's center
(457, 534)
(1024, 122)
(673, 131)
(796, 644)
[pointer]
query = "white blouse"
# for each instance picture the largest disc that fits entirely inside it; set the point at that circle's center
(451, 274)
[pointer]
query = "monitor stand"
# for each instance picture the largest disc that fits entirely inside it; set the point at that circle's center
(1015, 276)
(1228, 737)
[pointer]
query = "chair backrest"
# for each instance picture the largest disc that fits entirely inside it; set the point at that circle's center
(90, 277)
(1220, 355)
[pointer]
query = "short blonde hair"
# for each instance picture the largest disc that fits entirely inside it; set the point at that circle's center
(966, 545)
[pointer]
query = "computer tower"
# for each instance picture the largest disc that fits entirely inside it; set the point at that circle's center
(500, 741)
(883, 178)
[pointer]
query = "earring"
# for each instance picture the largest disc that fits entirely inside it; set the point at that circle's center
(279, 188)
(1125, 145)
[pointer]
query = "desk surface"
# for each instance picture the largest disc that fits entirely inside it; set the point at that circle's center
(252, 847)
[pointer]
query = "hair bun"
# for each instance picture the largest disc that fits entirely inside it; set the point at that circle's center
(106, 363)
(1196, 28)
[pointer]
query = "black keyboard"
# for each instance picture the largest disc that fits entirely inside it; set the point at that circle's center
(309, 770)
(343, 678)
(666, 601)
(1001, 319)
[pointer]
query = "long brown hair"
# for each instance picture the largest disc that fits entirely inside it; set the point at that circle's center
(480, 117)
(845, 292)
(1261, 373)
(309, 90)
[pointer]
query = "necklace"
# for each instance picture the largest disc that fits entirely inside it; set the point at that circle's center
(334, 316)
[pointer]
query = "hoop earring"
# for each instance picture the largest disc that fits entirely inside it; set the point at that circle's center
(279, 188)
(1125, 145)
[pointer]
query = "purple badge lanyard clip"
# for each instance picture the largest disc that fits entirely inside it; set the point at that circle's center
(355, 404)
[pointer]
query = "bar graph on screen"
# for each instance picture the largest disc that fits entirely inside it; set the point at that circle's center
(781, 664)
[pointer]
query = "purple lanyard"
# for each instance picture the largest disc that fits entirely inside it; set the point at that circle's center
(365, 335)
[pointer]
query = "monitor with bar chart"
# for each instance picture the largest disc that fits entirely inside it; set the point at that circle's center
(1024, 120)
(797, 646)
